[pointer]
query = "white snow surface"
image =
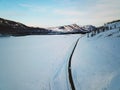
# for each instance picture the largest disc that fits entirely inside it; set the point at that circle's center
(96, 62)
(35, 62)
(40, 62)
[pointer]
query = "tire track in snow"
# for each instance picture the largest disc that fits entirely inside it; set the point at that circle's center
(69, 67)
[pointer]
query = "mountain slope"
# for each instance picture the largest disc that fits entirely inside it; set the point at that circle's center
(16, 28)
(13, 24)
(89, 28)
(96, 62)
(69, 28)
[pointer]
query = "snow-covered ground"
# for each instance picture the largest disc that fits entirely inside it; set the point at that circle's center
(35, 62)
(96, 62)
(40, 62)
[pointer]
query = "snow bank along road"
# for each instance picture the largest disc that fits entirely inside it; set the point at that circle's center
(96, 63)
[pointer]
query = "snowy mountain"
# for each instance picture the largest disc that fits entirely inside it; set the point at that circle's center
(89, 28)
(16, 28)
(69, 28)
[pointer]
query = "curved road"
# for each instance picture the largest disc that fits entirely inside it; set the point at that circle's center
(69, 67)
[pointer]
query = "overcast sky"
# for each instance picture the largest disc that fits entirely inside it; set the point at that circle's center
(45, 13)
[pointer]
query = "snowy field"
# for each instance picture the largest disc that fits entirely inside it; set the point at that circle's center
(35, 62)
(40, 62)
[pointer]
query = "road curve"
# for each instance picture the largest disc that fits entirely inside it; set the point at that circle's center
(69, 67)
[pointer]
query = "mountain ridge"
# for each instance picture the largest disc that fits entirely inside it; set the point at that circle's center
(16, 28)
(73, 28)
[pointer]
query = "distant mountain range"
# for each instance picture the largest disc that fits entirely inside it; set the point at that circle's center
(15, 28)
(72, 28)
